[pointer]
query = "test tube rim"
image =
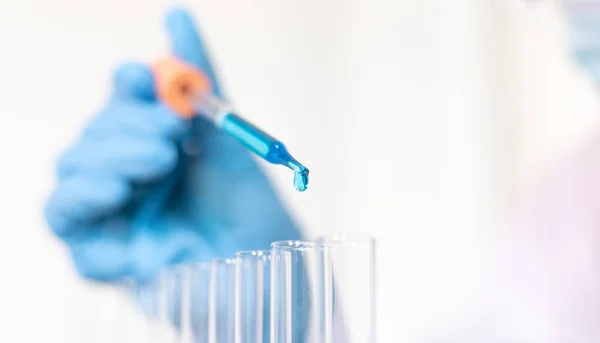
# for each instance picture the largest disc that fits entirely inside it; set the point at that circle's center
(346, 238)
(225, 261)
(296, 245)
(256, 253)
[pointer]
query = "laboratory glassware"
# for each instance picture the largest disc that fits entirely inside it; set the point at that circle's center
(354, 278)
(300, 292)
(253, 296)
(221, 317)
(187, 90)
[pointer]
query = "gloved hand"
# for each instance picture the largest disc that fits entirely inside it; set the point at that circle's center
(583, 19)
(142, 188)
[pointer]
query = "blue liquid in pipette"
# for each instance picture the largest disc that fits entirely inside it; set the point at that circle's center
(265, 146)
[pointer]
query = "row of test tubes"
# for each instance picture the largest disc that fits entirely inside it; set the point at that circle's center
(320, 291)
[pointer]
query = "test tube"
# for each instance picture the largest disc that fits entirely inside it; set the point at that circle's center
(168, 298)
(143, 326)
(157, 303)
(252, 291)
(353, 269)
(221, 317)
(300, 293)
(195, 302)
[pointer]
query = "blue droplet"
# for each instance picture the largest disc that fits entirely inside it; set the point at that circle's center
(301, 180)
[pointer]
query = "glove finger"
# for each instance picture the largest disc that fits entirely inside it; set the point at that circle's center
(135, 158)
(187, 44)
(102, 254)
(136, 118)
(134, 81)
(83, 198)
(106, 253)
(155, 248)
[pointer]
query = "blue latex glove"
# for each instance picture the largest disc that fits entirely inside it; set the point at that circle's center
(583, 18)
(142, 189)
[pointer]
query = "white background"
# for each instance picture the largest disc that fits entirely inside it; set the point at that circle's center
(421, 122)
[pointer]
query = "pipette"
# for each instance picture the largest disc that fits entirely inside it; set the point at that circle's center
(187, 91)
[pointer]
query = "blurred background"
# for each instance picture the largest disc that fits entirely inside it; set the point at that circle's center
(423, 123)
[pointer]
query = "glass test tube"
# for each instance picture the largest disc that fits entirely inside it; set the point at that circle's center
(147, 306)
(157, 304)
(168, 298)
(353, 268)
(300, 293)
(195, 301)
(222, 302)
(252, 292)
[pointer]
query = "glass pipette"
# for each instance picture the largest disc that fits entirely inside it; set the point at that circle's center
(187, 90)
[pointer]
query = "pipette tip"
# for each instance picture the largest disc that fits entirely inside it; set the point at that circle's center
(300, 175)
